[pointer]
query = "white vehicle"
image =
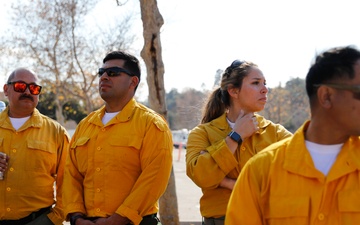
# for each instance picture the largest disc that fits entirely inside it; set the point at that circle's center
(180, 137)
(2, 106)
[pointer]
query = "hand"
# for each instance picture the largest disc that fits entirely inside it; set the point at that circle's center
(82, 221)
(246, 124)
(114, 219)
(227, 183)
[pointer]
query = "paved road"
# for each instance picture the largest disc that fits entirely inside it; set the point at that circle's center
(188, 194)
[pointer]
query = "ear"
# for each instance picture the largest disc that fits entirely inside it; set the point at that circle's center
(5, 88)
(134, 81)
(233, 92)
(324, 95)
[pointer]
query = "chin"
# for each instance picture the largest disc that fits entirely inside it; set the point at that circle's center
(258, 109)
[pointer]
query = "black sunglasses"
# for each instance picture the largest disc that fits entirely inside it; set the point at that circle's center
(20, 86)
(236, 63)
(113, 71)
(355, 89)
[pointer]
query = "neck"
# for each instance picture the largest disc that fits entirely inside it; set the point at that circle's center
(13, 114)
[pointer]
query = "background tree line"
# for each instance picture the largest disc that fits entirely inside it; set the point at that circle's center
(286, 105)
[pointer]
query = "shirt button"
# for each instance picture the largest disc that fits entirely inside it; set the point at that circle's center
(97, 210)
(11, 169)
(8, 209)
(8, 189)
(321, 216)
(98, 148)
(98, 169)
(243, 149)
(103, 129)
(97, 189)
(14, 150)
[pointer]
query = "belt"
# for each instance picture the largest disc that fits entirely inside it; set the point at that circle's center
(27, 219)
(144, 220)
(150, 216)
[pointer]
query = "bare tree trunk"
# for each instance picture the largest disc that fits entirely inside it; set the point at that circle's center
(151, 53)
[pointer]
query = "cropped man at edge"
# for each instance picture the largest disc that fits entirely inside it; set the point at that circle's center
(120, 156)
(314, 177)
(34, 149)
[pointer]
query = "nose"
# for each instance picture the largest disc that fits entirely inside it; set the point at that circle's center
(264, 89)
(104, 76)
(27, 90)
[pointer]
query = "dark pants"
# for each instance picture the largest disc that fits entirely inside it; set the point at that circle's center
(35, 218)
(214, 221)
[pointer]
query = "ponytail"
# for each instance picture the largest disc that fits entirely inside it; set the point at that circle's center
(217, 103)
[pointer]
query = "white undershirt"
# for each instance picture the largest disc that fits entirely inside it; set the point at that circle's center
(323, 156)
(231, 124)
(108, 116)
(18, 122)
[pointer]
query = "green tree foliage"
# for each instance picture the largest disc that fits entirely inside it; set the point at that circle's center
(73, 111)
(47, 105)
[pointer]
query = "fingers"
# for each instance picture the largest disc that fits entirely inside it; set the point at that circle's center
(255, 122)
(246, 125)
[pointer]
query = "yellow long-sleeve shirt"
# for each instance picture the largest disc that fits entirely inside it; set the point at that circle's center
(37, 151)
(209, 169)
(281, 186)
(122, 167)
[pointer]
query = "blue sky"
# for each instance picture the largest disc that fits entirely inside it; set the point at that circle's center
(281, 36)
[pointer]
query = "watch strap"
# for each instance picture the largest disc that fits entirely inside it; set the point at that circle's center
(74, 218)
(235, 136)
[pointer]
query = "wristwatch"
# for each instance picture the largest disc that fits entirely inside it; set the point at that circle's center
(235, 136)
(74, 218)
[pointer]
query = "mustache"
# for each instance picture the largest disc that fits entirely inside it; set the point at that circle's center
(25, 96)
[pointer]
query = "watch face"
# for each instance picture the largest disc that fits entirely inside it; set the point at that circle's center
(235, 136)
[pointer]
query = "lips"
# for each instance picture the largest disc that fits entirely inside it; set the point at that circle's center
(263, 99)
(104, 85)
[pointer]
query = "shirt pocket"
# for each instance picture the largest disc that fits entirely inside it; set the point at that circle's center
(349, 206)
(124, 153)
(288, 210)
(80, 149)
(41, 156)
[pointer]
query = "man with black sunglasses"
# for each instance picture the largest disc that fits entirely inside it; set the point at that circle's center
(33, 151)
(120, 156)
(314, 176)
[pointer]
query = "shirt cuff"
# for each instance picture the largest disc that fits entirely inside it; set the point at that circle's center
(130, 214)
(55, 219)
(222, 155)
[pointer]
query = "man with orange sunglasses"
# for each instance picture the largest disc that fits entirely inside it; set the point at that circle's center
(34, 149)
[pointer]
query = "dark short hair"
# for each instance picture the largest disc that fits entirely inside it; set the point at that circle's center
(335, 63)
(131, 62)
